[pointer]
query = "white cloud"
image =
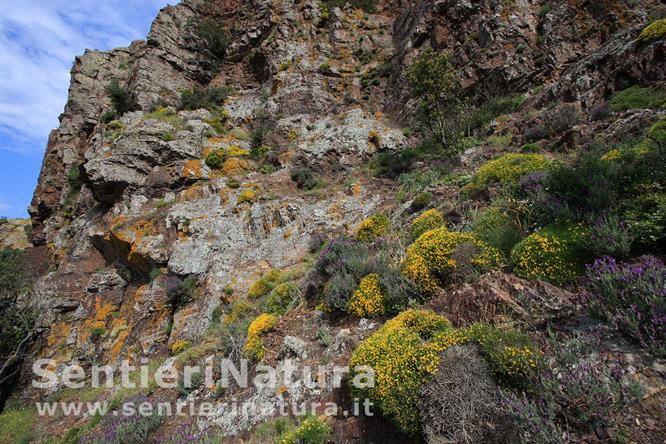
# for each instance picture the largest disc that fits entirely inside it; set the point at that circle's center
(38, 42)
(4, 206)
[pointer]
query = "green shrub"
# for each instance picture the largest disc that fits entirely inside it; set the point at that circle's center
(16, 321)
(492, 108)
(210, 33)
(216, 159)
(211, 98)
(436, 85)
(498, 230)
(653, 31)
(283, 298)
(237, 312)
(586, 188)
(168, 137)
(422, 200)
(427, 221)
(234, 184)
(637, 97)
(553, 254)
(108, 116)
(392, 165)
(438, 256)
(508, 169)
(305, 178)
(264, 285)
(270, 431)
(373, 227)
(645, 216)
(17, 426)
(122, 99)
(530, 148)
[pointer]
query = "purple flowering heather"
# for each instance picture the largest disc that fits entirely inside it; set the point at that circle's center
(189, 432)
(633, 297)
(532, 183)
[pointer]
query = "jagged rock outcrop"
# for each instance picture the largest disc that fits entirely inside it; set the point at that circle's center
(130, 211)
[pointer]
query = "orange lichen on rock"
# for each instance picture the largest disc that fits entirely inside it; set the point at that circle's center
(103, 309)
(235, 166)
(191, 193)
(58, 334)
(118, 345)
(192, 169)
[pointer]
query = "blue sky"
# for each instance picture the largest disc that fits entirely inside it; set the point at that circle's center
(38, 42)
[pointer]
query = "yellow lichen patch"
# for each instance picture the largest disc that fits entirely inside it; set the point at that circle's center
(192, 169)
(234, 166)
(236, 151)
(216, 140)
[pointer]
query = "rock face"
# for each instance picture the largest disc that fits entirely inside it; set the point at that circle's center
(129, 211)
(496, 296)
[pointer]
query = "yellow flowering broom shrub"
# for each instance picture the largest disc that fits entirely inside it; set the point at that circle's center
(552, 254)
(507, 170)
(430, 263)
(246, 196)
(312, 430)
(653, 31)
(372, 228)
(406, 351)
(367, 300)
(401, 357)
(179, 346)
(254, 346)
(427, 221)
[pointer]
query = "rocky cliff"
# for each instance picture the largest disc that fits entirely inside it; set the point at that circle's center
(131, 211)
